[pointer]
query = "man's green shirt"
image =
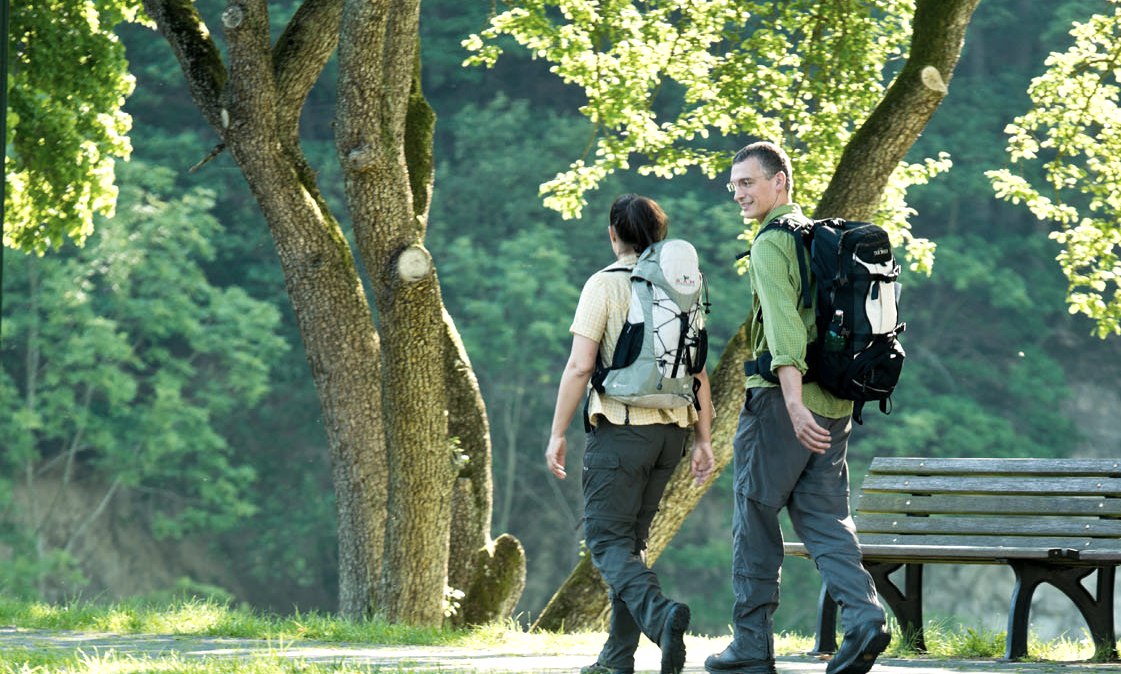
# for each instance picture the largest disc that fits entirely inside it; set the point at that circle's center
(787, 326)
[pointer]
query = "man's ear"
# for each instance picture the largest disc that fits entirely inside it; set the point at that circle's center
(784, 180)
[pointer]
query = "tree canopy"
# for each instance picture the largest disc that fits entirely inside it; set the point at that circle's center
(667, 84)
(1067, 149)
(67, 85)
(664, 80)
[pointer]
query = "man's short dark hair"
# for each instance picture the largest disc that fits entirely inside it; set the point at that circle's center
(771, 158)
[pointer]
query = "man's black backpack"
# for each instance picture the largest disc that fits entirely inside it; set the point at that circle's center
(857, 354)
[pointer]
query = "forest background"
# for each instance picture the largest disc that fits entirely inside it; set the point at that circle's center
(234, 497)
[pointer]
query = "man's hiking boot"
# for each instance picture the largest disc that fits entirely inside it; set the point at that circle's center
(859, 649)
(673, 639)
(728, 660)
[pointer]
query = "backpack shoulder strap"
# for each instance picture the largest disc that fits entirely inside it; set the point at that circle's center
(801, 233)
(601, 369)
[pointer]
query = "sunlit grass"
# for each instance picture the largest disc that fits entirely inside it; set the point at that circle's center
(203, 617)
(946, 640)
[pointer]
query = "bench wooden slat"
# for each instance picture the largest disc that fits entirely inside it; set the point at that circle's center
(943, 554)
(996, 544)
(952, 504)
(989, 526)
(919, 550)
(922, 484)
(992, 466)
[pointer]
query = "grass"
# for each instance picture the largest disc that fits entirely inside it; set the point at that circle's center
(954, 641)
(203, 617)
(212, 619)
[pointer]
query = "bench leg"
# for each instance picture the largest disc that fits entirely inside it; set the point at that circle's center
(826, 623)
(1096, 610)
(906, 604)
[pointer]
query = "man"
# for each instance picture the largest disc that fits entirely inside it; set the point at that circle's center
(790, 446)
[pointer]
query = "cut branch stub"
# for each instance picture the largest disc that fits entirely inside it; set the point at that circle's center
(361, 158)
(233, 16)
(413, 264)
(932, 79)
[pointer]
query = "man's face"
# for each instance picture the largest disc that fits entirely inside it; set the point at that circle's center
(755, 193)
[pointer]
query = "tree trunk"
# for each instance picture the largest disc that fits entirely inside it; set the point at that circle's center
(469, 428)
(379, 43)
(432, 396)
(401, 460)
(331, 310)
(854, 192)
(491, 574)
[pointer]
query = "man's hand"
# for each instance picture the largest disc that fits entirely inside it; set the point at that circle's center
(812, 435)
(703, 463)
(554, 456)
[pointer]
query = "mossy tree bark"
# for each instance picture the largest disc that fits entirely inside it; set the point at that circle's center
(385, 396)
(938, 34)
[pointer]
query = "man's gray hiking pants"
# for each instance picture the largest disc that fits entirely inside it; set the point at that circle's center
(774, 470)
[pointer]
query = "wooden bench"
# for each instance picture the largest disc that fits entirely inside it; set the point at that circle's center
(1052, 521)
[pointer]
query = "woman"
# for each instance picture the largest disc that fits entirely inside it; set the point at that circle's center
(631, 453)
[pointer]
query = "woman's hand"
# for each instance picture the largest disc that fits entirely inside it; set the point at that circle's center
(554, 456)
(703, 463)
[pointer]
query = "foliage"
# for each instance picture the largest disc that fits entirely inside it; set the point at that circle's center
(1074, 129)
(661, 78)
(67, 84)
(119, 360)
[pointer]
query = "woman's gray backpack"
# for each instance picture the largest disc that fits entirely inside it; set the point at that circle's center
(663, 344)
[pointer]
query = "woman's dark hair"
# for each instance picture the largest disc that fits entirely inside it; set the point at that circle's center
(638, 221)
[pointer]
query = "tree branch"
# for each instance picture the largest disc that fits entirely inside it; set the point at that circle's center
(873, 154)
(299, 57)
(250, 95)
(185, 31)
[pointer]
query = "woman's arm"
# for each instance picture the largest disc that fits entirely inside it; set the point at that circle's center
(573, 384)
(703, 461)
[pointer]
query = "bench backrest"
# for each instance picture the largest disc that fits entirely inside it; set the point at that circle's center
(1068, 508)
